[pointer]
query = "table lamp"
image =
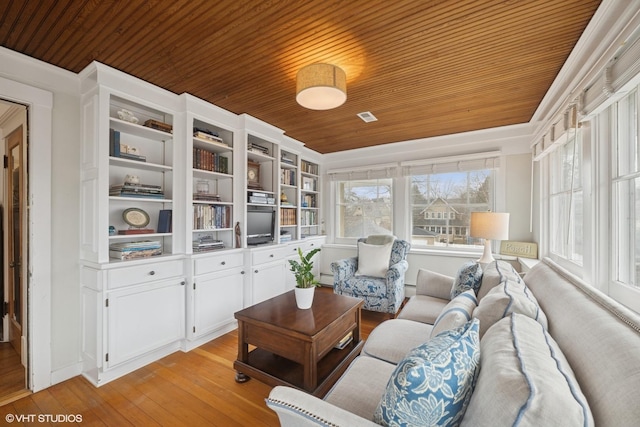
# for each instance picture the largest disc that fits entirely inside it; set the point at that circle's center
(489, 226)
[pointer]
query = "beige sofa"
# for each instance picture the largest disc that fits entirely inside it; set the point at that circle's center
(592, 349)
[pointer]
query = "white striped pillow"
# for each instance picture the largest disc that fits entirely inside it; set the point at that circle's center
(525, 380)
(456, 313)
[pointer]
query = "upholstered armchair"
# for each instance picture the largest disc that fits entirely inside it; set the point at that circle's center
(381, 291)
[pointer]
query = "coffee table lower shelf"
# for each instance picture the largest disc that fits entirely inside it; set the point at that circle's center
(276, 370)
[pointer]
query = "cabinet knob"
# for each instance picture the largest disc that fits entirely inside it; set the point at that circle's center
(271, 256)
(255, 271)
(151, 273)
(242, 272)
(183, 283)
(223, 262)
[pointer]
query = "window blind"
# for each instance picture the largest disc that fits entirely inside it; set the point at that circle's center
(379, 171)
(478, 161)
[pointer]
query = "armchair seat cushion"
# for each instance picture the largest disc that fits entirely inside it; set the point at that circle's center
(365, 286)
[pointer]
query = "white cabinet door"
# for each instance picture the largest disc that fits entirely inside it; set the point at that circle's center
(216, 298)
(144, 318)
(268, 280)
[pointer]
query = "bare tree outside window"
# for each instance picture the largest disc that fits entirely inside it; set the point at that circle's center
(442, 205)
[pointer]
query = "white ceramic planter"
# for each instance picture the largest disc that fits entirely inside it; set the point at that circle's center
(304, 297)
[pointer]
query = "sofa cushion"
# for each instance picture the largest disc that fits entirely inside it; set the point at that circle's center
(525, 380)
(510, 296)
(423, 308)
(599, 337)
(373, 260)
(493, 274)
(456, 313)
(392, 339)
(359, 389)
(469, 276)
(432, 385)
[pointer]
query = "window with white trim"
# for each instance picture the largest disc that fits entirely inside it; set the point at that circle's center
(625, 191)
(364, 207)
(565, 200)
(443, 193)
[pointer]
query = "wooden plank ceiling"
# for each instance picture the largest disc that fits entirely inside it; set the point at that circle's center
(423, 68)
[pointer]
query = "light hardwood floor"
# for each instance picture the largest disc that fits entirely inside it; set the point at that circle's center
(12, 376)
(183, 389)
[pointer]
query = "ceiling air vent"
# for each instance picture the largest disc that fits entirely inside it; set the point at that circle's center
(367, 117)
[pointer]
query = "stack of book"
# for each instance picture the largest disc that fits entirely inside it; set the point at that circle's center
(258, 149)
(208, 135)
(285, 236)
(158, 125)
(207, 243)
(135, 250)
(207, 197)
(137, 190)
(261, 198)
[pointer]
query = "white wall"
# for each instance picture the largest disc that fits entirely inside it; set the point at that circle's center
(65, 178)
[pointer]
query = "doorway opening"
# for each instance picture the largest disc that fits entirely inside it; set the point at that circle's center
(14, 349)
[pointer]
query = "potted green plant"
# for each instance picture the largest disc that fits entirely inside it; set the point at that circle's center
(305, 281)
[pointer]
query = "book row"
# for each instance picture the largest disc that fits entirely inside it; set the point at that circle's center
(288, 177)
(288, 216)
(206, 217)
(208, 161)
(309, 218)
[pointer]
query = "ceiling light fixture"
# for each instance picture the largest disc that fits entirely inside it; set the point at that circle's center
(321, 86)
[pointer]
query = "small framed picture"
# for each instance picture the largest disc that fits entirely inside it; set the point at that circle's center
(308, 184)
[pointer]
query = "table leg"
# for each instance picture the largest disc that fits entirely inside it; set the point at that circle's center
(310, 366)
(243, 352)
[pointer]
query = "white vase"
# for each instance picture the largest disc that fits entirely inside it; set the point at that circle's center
(304, 297)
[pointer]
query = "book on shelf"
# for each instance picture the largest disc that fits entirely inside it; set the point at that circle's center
(208, 136)
(114, 143)
(206, 197)
(136, 231)
(129, 255)
(158, 125)
(258, 149)
(209, 161)
(206, 243)
(135, 250)
(136, 190)
(211, 217)
(130, 156)
(165, 221)
(344, 341)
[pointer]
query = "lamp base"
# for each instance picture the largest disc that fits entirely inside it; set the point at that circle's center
(487, 256)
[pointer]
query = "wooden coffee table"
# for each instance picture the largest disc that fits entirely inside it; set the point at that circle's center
(296, 347)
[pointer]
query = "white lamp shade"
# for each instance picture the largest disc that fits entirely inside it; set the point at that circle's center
(321, 86)
(490, 225)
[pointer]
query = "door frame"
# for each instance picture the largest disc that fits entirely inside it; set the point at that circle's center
(38, 281)
(21, 266)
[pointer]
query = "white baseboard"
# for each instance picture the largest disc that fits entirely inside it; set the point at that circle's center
(68, 372)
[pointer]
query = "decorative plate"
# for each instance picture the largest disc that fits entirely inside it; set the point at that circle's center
(135, 217)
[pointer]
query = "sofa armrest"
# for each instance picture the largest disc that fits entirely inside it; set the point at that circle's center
(433, 284)
(344, 268)
(296, 408)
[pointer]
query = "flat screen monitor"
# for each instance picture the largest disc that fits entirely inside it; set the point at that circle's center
(260, 227)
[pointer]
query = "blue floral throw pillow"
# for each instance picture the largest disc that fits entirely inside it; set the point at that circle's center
(433, 384)
(469, 277)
